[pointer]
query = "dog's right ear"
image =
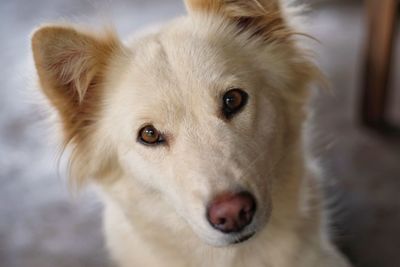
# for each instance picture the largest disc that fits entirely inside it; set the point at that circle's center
(262, 18)
(71, 66)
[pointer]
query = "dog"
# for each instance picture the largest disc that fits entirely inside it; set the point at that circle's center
(194, 135)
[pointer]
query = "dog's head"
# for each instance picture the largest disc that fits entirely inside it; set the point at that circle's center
(206, 112)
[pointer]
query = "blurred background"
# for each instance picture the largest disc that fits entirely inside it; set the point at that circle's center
(43, 225)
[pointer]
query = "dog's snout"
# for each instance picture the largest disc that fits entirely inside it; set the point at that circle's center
(231, 212)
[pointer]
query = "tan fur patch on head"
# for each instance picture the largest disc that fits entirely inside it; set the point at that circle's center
(262, 17)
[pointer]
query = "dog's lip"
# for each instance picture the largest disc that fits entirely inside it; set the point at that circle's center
(244, 238)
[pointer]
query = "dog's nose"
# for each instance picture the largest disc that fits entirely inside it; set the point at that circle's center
(231, 212)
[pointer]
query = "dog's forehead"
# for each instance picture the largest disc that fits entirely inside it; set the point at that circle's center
(183, 65)
(182, 71)
(186, 63)
(190, 55)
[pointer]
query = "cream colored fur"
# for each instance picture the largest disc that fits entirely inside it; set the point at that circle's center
(156, 197)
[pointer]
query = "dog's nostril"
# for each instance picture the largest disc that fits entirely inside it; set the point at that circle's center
(231, 212)
(222, 221)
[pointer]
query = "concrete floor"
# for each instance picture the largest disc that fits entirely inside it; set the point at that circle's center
(42, 225)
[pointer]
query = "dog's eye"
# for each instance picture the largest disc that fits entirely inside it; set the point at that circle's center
(233, 101)
(149, 135)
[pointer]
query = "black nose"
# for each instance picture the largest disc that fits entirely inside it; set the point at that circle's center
(231, 212)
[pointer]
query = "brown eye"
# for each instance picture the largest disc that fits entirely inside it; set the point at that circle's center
(149, 135)
(233, 101)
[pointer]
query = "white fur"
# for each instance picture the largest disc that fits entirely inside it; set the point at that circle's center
(156, 197)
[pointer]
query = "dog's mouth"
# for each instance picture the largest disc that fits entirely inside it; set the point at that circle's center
(244, 238)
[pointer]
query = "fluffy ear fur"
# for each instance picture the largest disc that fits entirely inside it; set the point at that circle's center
(71, 66)
(265, 19)
(261, 17)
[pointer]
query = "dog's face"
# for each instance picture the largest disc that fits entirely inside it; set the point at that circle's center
(203, 113)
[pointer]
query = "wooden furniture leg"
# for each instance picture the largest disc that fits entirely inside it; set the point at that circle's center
(381, 28)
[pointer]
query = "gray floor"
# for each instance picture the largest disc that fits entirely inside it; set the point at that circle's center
(42, 225)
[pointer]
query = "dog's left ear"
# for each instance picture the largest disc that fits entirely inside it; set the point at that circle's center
(71, 65)
(263, 18)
